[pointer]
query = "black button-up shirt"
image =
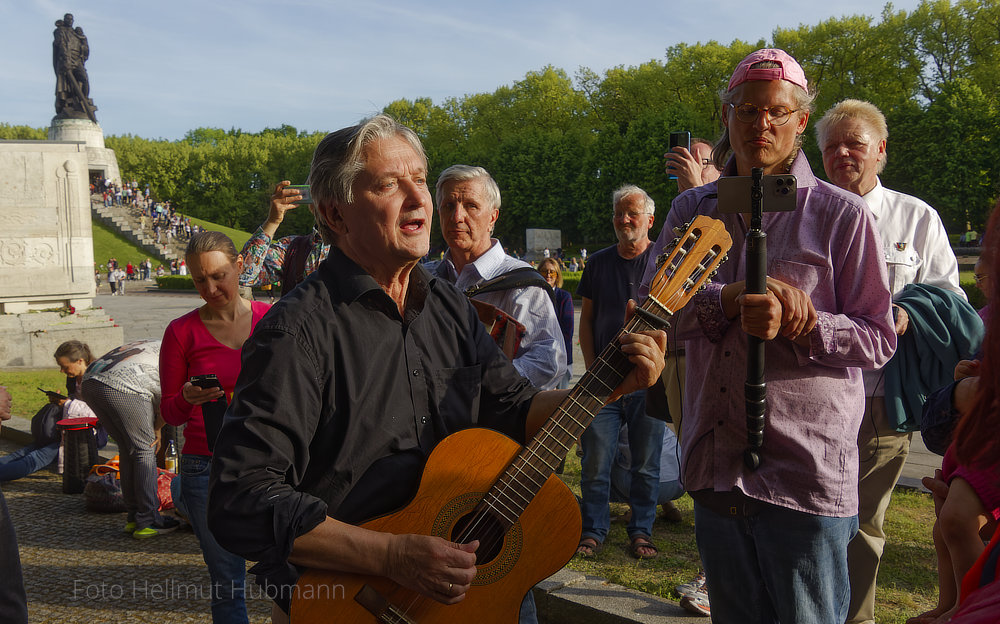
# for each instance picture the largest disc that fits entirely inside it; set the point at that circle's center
(340, 400)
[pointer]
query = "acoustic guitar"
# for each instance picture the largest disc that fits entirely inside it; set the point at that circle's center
(478, 484)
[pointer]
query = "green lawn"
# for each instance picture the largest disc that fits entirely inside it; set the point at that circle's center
(24, 384)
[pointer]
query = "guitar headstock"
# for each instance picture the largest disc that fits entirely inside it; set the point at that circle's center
(691, 262)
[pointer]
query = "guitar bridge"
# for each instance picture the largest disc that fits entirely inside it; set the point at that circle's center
(382, 609)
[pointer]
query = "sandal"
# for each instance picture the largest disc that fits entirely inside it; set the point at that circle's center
(588, 548)
(641, 543)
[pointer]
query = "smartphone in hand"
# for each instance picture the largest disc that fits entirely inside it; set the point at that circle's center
(206, 381)
(304, 191)
(679, 139)
(53, 396)
(212, 412)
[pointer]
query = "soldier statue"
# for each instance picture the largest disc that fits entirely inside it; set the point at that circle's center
(69, 52)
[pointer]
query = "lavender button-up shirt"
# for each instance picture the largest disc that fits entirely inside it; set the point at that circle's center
(830, 248)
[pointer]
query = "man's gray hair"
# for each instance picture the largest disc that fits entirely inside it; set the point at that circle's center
(865, 112)
(803, 101)
(464, 173)
(339, 158)
(628, 190)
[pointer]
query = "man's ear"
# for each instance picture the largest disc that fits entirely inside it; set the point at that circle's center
(332, 215)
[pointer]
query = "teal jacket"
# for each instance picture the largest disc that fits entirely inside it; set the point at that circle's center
(944, 329)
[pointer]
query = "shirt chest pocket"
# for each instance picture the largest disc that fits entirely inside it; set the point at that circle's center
(903, 265)
(454, 396)
(813, 280)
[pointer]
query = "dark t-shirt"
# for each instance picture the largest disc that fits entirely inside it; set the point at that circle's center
(609, 281)
(340, 400)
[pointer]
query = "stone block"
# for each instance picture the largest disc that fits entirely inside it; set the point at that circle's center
(46, 249)
(537, 240)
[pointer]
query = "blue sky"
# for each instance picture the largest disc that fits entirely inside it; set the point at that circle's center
(159, 69)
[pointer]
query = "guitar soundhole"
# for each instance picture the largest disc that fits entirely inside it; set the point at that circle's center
(482, 526)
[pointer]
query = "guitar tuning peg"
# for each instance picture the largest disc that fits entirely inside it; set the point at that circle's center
(678, 230)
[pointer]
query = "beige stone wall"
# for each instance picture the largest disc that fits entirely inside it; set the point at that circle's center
(46, 247)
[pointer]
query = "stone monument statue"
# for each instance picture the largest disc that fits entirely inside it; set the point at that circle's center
(70, 51)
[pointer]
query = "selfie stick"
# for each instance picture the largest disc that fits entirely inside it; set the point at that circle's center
(755, 392)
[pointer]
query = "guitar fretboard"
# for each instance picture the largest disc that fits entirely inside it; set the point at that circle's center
(528, 472)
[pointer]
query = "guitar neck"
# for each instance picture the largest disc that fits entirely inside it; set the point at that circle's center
(522, 479)
(689, 264)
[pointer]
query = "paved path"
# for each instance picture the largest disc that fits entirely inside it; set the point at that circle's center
(80, 567)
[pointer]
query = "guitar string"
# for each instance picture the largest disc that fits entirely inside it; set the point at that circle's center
(495, 533)
(481, 515)
(506, 485)
(507, 482)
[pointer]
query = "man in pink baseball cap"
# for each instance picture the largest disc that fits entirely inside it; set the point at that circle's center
(773, 540)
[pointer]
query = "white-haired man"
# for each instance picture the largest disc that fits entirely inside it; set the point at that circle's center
(609, 280)
(468, 201)
(853, 136)
(353, 377)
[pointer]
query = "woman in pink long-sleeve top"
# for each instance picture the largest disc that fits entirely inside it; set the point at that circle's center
(207, 341)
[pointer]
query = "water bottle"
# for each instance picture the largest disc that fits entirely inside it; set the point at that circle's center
(170, 457)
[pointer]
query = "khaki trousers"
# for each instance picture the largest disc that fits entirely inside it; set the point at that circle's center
(883, 452)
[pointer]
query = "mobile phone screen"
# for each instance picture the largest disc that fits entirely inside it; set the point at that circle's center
(303, 190)
(679, 139)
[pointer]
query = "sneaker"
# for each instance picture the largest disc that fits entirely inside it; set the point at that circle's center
(697, 603)
(129, 527)
(164, 526)
(693, 586)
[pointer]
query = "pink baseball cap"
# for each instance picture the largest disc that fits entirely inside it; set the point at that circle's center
(789, 69)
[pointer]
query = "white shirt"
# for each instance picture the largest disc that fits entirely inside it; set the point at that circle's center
(916, 248)
(541, 356)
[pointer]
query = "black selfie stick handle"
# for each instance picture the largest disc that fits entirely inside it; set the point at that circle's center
(755, 391)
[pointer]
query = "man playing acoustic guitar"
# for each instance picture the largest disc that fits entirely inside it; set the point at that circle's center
(350, 381)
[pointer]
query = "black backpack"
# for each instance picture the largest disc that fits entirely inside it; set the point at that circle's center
(43, 425)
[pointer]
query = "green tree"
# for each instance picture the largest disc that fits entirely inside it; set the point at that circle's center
(948, 154)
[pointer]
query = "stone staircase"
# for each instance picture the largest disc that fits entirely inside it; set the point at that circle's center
(126, 220)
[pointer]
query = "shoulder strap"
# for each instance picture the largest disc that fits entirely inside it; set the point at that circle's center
(521, 277)
(295, 263)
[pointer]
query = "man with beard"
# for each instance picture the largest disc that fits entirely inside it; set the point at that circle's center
(609, 280)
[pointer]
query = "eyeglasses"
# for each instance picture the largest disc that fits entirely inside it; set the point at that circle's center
(548, 272)
(980, 277)
(776, 115)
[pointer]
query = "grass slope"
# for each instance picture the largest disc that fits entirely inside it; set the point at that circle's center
(108, 243)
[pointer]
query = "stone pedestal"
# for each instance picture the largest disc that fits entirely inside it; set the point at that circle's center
(46, 252)
(99, 158)
(538, 240)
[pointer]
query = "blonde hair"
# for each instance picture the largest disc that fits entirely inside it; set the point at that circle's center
(865, 112)
(555, 265)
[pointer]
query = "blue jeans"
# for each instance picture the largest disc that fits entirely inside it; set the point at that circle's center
(27, 460)
(778, 565)
(600, 444)
(228, 572)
